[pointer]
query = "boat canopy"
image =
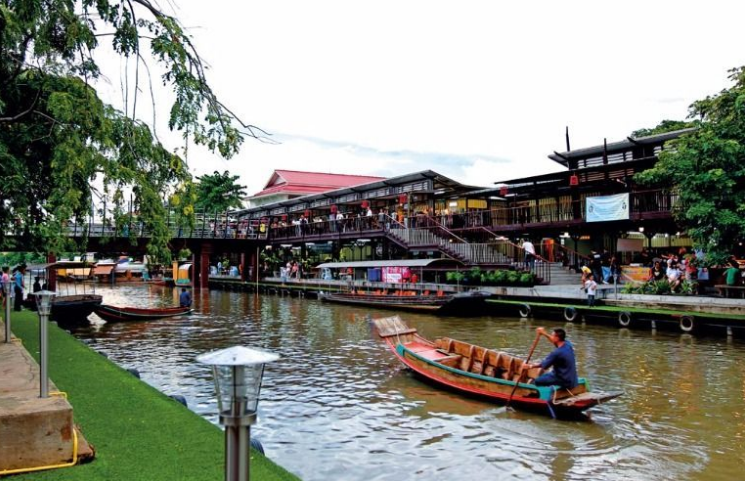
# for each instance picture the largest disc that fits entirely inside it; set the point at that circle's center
(57, 265)
(434, 263)
(103, 269)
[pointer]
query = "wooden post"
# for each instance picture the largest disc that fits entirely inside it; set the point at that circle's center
(52, 281)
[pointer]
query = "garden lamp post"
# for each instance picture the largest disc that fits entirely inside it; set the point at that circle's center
(8, 302)
(238, 372)
(44, 306)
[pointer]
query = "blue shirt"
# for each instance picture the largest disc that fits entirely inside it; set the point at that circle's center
(565, 367)
(19, 280)
(185, 299)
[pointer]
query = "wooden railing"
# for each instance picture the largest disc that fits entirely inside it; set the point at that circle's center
(452, 227)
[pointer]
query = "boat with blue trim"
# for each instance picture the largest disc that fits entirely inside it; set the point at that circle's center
(485, 373)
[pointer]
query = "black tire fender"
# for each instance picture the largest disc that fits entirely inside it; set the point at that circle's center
(570, 313)
(624, 318)
(525, 310)
(687, 323)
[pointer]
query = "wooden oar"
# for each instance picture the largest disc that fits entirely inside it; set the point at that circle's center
(520, 375)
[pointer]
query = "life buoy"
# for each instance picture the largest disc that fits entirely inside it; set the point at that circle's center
(524, 310)
(624, 318)
(687, 323)
(570, 313)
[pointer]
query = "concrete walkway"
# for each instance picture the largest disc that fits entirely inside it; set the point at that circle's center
(34, 432)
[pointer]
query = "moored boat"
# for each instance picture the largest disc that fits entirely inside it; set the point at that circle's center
(482, 372)
(397, 300)
(74, 308)
(405, 300)
(69, 309)
(118, 314)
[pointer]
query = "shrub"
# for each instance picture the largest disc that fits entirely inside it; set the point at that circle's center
(500, 277)
(527, 279)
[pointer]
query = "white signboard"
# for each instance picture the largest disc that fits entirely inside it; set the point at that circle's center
(607, 207)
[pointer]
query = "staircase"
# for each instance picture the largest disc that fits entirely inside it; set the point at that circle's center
(563, 276)
(453, 246)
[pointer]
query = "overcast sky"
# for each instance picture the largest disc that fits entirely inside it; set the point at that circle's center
(478, 91)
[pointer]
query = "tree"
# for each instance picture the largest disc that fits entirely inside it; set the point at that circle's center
(663, 127)
(61, 147)
(706, 168)
(219, 192)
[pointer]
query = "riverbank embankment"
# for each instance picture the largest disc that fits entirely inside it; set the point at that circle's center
(138, 432)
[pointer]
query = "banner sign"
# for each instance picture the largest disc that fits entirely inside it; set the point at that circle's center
(634, 275)
(607, 207)
(395, 274)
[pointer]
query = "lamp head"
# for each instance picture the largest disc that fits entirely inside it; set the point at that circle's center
(238, 372)
(44, 301)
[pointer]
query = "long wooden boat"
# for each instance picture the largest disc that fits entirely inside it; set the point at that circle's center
(482, 372)
(72, 309)
(123, 314)
(404, 300)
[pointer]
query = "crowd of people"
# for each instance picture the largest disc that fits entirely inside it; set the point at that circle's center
(674, 267)
(13, 286)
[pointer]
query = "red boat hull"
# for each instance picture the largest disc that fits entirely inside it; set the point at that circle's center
(473, 370)
(124, 314)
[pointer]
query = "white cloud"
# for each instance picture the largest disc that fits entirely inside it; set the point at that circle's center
(392, 87)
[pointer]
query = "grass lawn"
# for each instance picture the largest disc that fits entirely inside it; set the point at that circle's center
(138, 432)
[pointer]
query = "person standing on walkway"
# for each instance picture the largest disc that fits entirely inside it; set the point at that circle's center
(18, 286)
(529, 249)
(590, 287)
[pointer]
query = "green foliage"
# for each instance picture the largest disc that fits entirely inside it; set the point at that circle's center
(663, 127)
(500, 277)
(706, 170)
(661, 288)
(219, 192)
(454, 277)
(62, 149)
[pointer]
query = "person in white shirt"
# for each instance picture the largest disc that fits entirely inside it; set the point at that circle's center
(673, 277)
(591, 286)
(529, 254)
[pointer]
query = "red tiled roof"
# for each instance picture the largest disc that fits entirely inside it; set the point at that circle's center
(296, 182)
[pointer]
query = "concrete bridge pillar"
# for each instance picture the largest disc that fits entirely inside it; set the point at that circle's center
(204, 266)
(248, 265)
(244, 267)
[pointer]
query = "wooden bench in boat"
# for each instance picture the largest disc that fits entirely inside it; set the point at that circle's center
(479, 360)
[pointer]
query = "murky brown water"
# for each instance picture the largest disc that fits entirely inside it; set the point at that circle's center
(338, 406)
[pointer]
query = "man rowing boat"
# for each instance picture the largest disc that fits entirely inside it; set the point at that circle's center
(561, 359)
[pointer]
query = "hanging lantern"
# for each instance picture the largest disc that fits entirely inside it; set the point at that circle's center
(365, 204)
(284, 216)
(307, 213)
(402, 199)
(503, 191)
(573, 179)
(333, 209)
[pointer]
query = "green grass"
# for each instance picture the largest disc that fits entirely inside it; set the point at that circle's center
(138, 432)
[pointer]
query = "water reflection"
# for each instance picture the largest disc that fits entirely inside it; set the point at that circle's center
(338, 405)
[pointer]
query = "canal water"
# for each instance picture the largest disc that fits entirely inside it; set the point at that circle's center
(339, 406)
